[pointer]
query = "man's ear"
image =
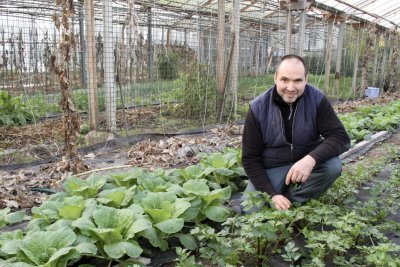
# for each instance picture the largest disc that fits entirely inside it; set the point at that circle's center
(275, 77)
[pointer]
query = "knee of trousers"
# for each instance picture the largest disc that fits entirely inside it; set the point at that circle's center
(332, 168)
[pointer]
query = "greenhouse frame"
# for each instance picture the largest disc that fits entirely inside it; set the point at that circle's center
(126, 54)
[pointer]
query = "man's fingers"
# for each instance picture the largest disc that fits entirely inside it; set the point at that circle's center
(289, 177)
(281, 203)
(295, 177)
(284, 206)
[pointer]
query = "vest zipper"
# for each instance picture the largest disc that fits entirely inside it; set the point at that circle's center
(282, 127)
(283, 132)
(294, 116)
(291, 111)
(284, 136)
(291, 150)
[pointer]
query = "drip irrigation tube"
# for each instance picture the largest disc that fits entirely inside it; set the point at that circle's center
(48, 191)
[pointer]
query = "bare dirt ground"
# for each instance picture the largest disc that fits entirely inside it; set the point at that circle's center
(147, 151)
(42, 144)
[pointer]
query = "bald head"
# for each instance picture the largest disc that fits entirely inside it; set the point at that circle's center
(291, 58)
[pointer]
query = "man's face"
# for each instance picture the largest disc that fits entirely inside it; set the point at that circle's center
(290, 80)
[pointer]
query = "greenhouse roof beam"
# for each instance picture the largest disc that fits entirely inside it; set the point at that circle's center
(270, 14)
(202, 11)
(366, 12)
(333, 10)
(391, 12)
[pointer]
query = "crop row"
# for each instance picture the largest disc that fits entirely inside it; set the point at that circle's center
(109, 216)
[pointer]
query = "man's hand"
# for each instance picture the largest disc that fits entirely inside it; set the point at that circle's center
(281, 202)
(300, 170)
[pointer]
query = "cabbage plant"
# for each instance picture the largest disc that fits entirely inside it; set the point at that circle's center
(46, 249)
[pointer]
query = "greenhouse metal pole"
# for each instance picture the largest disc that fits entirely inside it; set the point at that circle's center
(109, 79)
(328, 55)
(34, 48)
(249, 52)
(235, 59)
(220, 63)
(91, 66)
(149, 43)
(263, 48)
(83, 47)
(199, 45)
(3, 55)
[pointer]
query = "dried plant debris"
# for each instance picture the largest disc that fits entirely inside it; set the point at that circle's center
(16, 189)
(48, 132)
(183, 149)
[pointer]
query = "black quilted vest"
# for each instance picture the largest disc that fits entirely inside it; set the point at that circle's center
(305, 134)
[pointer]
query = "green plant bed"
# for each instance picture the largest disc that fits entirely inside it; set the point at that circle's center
(367, 120)
(129, 216)
(337, 230)
(107, 216)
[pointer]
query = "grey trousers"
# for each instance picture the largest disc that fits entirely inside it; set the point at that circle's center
(321, 178)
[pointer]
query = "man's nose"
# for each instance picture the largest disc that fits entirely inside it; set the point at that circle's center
(291, 86)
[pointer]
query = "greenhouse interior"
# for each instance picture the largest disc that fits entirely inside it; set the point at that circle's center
(122, 124)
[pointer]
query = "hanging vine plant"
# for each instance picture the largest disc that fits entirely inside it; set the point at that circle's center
(369, 43)
(395, 38)
(72, 161)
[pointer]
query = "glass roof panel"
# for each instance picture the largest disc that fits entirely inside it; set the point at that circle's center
(385, 13)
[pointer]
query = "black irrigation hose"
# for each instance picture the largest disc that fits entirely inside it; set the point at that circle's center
(48, 191)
